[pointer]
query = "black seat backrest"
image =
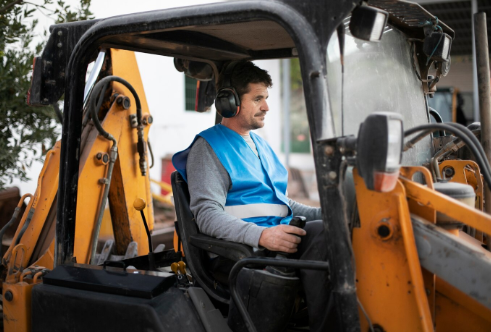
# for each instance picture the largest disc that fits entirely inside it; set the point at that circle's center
(194, 243)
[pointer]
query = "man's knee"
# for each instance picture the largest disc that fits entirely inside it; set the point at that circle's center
(314, 229)
(313, 245)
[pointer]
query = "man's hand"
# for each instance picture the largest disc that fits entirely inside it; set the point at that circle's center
(281, 238)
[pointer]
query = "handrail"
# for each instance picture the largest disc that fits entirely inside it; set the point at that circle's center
(457, 210)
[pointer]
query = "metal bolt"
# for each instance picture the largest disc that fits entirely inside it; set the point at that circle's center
(332, 175)
(102, 158)
(124, 102)
(328, 150)
(60, 33)
(8, 296)
(449, 172)
(147, 119)
(133, 121)
(59, 45)
(103, 181)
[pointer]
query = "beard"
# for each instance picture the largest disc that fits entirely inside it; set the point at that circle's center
(256, 121)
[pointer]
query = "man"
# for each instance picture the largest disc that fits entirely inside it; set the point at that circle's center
(238, 186)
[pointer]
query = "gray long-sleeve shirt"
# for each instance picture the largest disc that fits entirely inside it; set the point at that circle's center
(208, 184)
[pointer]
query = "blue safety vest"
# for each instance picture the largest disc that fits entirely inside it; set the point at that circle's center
(258, 192)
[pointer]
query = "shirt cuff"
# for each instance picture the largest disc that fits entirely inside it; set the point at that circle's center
(253, 234)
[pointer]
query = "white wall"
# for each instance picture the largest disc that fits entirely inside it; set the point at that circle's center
(174, 128)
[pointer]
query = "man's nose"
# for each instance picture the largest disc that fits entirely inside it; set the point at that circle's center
(264, 106)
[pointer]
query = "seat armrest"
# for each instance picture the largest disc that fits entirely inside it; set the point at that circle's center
(231, 250)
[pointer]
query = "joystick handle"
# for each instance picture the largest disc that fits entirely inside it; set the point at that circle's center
(298, 221)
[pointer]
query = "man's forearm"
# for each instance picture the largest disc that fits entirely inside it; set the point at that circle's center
(221, 225)
(309, 212)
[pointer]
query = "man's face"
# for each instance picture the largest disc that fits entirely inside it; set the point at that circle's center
(253, 107)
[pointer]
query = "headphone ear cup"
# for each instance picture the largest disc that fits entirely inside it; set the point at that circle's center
(227, 102)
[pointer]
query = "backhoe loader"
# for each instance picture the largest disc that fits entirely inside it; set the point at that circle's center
(405, 231)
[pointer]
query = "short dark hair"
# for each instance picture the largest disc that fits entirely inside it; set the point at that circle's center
(245, 72)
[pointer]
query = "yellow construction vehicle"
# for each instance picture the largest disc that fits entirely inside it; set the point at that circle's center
(32, 249)
(405, 243)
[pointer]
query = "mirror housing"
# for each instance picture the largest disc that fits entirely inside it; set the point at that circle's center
(368, 23)
(379, 150)
(201, 71)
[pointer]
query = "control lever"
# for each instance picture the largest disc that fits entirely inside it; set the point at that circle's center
(180, 270)
(299, 222)
(182, 267)
(139, 204)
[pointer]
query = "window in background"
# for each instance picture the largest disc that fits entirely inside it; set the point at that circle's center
(189, 93)
(299, 125)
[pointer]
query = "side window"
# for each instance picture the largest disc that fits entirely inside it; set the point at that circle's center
(189, 93)
(299, 125)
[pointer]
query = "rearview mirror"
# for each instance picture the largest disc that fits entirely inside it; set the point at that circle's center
(368, 23)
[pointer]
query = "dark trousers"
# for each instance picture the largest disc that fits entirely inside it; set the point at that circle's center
(316, 283)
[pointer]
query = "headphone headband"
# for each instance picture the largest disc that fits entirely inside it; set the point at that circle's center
(227, 75)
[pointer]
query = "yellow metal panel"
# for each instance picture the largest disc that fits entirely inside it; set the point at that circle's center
(47, 259)
(90, 190)
(389, 278)
(128, 183)
(42, 202)
(451, 207)
(17, 312)
(421, 210)
(125, 66)
(467, 172)
(426, 213)
(457, 312)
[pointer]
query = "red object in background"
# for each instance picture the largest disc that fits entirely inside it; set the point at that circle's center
(167, 169)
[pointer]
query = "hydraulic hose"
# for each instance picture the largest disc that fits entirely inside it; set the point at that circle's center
(474, 139)
(151, 153)
(15, 215)
(438, 118)
(141, 145)
(113, 155)
(412, 142)
(469, 140)
(97, 98)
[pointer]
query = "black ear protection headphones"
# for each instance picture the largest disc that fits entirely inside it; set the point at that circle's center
(227, 101)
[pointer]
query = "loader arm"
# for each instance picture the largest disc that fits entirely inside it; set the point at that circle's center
(32, 248)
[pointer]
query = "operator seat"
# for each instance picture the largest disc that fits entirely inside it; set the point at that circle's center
(196, 245)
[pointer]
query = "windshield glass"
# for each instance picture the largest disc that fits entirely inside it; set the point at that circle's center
(443, 103)
(378, 77)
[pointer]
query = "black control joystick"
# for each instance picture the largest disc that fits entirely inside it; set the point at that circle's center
(299, 222)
